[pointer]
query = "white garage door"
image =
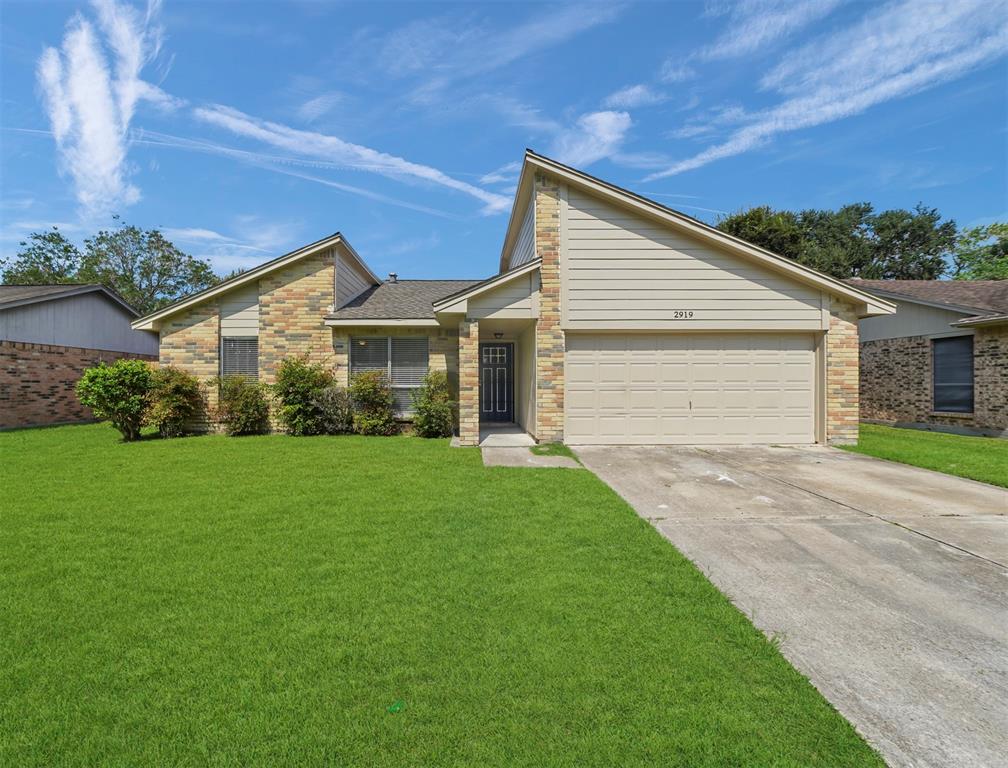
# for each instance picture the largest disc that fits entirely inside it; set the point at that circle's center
(704, 389)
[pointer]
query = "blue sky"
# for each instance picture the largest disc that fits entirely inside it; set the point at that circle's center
(247, 129)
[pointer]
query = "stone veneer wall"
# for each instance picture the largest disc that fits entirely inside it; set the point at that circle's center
(468, 364)
(37, 382)
(549, 335)
(191, 341)
(842, 375)
(896, 382)
(292, 304)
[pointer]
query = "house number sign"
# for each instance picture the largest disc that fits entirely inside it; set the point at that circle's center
(682, 314)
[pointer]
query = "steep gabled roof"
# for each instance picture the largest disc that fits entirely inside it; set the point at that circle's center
(977, 297)
(18, 295)
(871, 304)
(147, 322)
(399, 300)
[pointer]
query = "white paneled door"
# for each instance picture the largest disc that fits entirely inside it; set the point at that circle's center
(702, 389)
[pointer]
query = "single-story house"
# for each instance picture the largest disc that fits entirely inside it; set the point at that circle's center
(941, 360)
(48, 335)
(612, 319)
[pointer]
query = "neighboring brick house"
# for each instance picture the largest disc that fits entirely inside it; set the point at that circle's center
(941, 361)
(612, 319)
(48, 335)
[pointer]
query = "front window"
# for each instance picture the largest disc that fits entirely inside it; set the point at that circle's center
(240, 356)
(403, 360)
(953, 374)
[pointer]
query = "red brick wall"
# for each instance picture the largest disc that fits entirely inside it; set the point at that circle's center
(37, 382)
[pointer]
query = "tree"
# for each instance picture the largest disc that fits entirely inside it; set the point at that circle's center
(852, 241)
(145, 268)
(45, 258)
(981, 253)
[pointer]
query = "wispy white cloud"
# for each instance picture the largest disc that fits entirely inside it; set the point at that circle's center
(280, 164)
(633, 96)
(506, 174)
(90, 101)
(847, 72)
(225, 252)
(412, 245)
(750, 26)
(335, 150)
(596, 135)
(320, 105)
(447, 50)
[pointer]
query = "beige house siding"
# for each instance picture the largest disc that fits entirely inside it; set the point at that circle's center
(623, 270)
(351, 280)
(292, 304)
(517, 298)
(911, 319)
(239, 310)
(525, 380)
(525, 246)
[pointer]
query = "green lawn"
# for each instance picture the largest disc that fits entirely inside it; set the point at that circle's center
(978, 458)
(364, 602)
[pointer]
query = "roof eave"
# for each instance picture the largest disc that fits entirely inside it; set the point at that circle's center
(981, 321)
(416, 322)
(924, 302)
(442, 305)
(72, 291)
(869, 303)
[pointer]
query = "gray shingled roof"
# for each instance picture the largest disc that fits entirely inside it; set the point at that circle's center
(401, 300)
(17, 295)
(985, 297)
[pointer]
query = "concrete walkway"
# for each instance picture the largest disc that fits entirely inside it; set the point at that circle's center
(523, 457)
(886, 585)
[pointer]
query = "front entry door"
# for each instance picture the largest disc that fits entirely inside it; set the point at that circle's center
(497, 382)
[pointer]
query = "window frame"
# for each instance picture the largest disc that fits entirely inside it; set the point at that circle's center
(221, 367)
(408, 410)
(943, 409)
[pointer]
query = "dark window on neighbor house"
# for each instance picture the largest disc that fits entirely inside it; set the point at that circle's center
(403, 360)
(953, 374)
(240, 356)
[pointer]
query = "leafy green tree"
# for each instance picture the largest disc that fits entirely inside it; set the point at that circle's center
(143, 266)
(981, 253)
(45, 258)
(852, 241)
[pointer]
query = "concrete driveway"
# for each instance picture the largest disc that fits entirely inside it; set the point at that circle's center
(886, 585)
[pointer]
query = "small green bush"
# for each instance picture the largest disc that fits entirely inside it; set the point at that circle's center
(335, 410)
(299, 385)
(119, 392)
(434, 410)
(176, 401)
(242, 408)
(373, 412)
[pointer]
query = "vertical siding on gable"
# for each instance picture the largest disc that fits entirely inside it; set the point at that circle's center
(524, 247)
(240, 311)
(88, 320)
(623, 270)
(351, 281)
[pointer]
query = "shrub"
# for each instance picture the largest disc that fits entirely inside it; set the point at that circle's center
(176, 400)
(335, 410)
(373, 412)
(242, 408)
(298, 387)
(434, 410)
(119, 393)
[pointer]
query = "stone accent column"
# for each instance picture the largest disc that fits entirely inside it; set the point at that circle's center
(468, 346)
(842, 375)
(549, 335)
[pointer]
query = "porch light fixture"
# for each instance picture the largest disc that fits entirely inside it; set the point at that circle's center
(498, 335)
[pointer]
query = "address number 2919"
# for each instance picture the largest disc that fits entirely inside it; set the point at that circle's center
(682, 314)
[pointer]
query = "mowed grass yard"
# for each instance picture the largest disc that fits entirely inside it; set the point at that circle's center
(365, 602)
(978, 458)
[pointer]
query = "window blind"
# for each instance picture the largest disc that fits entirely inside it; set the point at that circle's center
(240, 356)
(403, 359)
(953, 374)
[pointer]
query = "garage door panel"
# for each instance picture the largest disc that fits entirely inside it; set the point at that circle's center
(681, 389)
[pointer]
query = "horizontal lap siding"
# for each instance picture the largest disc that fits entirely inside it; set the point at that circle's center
(240, 311)
(514, 299)
(625, 271)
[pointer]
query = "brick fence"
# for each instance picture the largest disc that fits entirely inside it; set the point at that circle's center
(37, 382)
